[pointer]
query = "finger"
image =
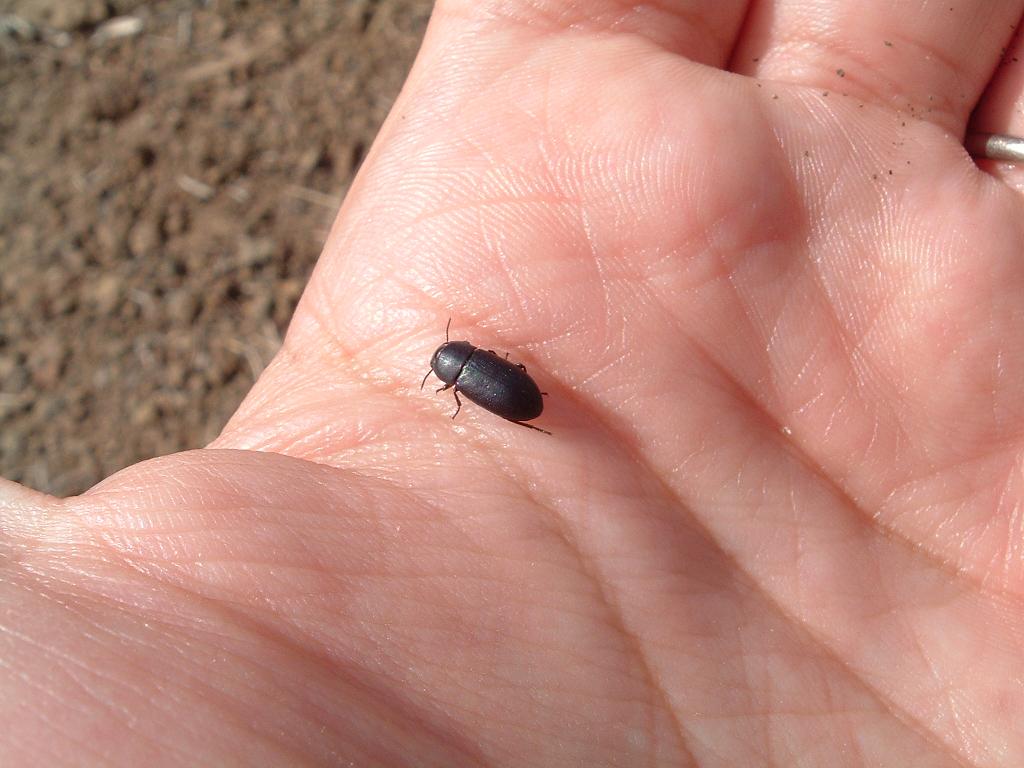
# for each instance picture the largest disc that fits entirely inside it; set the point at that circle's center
(932, 60)
(701, 31)
(1002, 110)
(23, 512)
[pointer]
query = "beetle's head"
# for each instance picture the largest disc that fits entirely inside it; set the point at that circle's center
(449, 359)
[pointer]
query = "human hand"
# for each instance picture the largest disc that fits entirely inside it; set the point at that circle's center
(779, 521)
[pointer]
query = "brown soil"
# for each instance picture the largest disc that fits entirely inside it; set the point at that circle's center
(163, 196)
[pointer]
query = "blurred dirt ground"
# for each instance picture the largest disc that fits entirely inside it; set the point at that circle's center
(168, 173)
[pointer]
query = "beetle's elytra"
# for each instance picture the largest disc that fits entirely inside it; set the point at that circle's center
(490, 381)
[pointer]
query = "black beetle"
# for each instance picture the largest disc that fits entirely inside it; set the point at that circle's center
(492, 382)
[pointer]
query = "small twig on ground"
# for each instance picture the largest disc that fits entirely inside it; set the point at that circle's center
(185, 29)
(313, 196)
(117, 28)
(195, 187)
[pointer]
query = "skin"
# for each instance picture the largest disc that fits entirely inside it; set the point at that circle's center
(778, 311)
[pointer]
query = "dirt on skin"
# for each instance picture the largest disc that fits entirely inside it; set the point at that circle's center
(168, 174)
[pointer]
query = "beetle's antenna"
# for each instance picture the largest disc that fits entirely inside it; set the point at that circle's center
(422, 385)
(446, 329)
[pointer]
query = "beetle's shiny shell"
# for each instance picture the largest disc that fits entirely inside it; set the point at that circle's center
(492, 382)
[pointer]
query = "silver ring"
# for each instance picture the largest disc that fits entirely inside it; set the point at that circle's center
(996, 146)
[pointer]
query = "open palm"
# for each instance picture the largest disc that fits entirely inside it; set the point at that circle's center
(779, 314)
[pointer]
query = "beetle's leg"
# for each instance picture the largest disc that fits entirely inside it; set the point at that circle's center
(544, 393)
(426, 377)
(442, 389)
(459, 402)
(520, 366)
(530, 426)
